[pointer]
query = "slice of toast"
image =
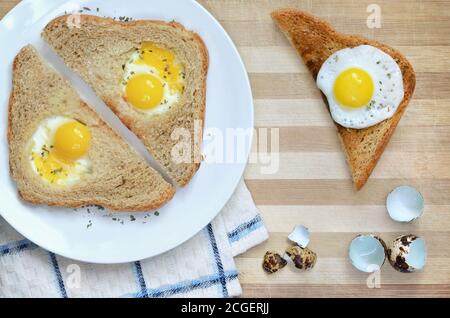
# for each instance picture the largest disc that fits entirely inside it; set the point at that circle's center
(315, 40)
(98, 48)
(119, 179)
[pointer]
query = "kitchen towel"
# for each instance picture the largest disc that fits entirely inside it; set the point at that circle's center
(202, 267)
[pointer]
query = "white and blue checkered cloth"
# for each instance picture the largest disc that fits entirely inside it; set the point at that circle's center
(201, 267)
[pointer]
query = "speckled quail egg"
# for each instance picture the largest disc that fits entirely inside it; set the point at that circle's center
(301, 258)
(407, 253)
(273, 262)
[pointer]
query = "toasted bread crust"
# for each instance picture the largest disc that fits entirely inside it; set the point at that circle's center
(315, 40)
(28, 188)
(167, 196)
(181, 179)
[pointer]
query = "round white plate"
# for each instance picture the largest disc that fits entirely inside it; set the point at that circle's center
(94, 236)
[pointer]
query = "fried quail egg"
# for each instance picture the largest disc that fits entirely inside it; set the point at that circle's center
(363, 86)
(153, 79)
(58, 151)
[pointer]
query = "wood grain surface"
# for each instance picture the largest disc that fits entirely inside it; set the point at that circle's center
(312, 185)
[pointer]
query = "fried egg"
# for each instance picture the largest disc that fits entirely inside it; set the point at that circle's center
(153, 79)
(363, 86)
(58, 151)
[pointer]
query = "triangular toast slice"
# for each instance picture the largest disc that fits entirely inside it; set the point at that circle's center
(315, 40)
(98, 49)
(116, 177)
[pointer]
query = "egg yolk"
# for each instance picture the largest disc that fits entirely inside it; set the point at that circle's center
(162, 60)
(49, 166)
(71, 141)
(144, 91)
(353, 88)
(164, 77)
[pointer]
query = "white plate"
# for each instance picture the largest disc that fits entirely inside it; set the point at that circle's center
(229, 105)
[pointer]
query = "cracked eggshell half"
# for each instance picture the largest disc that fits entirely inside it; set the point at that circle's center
(300, 235)
(405, 204)
(301, 258)
(367, 253)
(408, 253)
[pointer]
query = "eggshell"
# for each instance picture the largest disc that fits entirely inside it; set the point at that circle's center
(405, 204)
(301, 258)
(367, 253)
(300, 235)
(407, 253)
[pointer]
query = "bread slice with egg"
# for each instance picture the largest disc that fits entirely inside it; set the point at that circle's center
(315, 40)
(100, 50)
(116, 178)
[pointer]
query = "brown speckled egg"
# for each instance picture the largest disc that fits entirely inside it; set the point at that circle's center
(273, 262)
(407, 253)
(302, 258)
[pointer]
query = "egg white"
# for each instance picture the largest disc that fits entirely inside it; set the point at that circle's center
(44, 136)
(171, 97)
(387, 79)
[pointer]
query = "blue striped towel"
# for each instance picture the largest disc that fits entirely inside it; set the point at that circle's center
(202, 267)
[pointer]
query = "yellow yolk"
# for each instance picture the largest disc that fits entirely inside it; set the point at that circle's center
(58, 150)
(164, 77)
(71, 141)
(49, 166)
(353, 88)
(162, 60)
(144, 91)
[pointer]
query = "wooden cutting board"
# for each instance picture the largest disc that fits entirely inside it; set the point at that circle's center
(312, 185)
